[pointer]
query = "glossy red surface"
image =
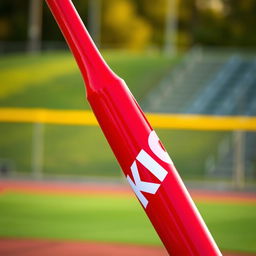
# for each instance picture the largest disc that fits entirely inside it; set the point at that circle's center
(166, 202)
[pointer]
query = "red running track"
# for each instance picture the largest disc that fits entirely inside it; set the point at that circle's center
(36, 247)
(43, 187)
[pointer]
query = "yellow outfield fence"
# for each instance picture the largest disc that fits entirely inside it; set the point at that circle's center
(161, 121)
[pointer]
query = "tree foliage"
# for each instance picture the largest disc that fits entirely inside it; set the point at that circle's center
(123, 25)
(139, 24)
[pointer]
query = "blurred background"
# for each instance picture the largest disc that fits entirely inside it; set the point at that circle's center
(194, 57)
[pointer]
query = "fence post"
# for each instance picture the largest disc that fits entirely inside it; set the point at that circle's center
(35, 25)
(170, 47)
(37, 156)
(239, 161)
(94, 21)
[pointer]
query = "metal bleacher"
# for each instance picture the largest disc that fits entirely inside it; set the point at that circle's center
(182, 85)
(228, 92)
(212, 83)
(207, 83)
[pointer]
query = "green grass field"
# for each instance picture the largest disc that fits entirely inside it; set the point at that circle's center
(114, 219)
(52, 80)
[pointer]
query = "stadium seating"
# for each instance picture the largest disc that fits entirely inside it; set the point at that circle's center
(212, 83)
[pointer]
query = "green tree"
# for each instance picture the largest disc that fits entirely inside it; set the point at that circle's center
(123, 27)
(138, 24)
(13, 20)
(241, 21)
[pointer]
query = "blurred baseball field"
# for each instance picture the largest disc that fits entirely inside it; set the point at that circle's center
(52, 81)
(76, 213)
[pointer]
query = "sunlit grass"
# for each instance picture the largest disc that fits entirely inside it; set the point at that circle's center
(53, 80)
(52, 76)
(28, 74)
(114, 219)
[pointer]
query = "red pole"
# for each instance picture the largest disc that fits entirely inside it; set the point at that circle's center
(145, 163)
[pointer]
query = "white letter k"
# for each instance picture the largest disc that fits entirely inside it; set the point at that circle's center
(139, 185)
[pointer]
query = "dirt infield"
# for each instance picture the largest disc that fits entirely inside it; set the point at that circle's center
(24, 247)
(117, 190)
(32, 247)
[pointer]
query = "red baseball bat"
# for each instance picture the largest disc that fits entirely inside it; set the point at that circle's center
(144, 161)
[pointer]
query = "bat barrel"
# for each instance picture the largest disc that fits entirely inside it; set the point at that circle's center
(147, 166)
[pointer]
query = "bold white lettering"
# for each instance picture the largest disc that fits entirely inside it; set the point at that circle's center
(152, 165)
(155, 168)
(153, 142)
(139, 185)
